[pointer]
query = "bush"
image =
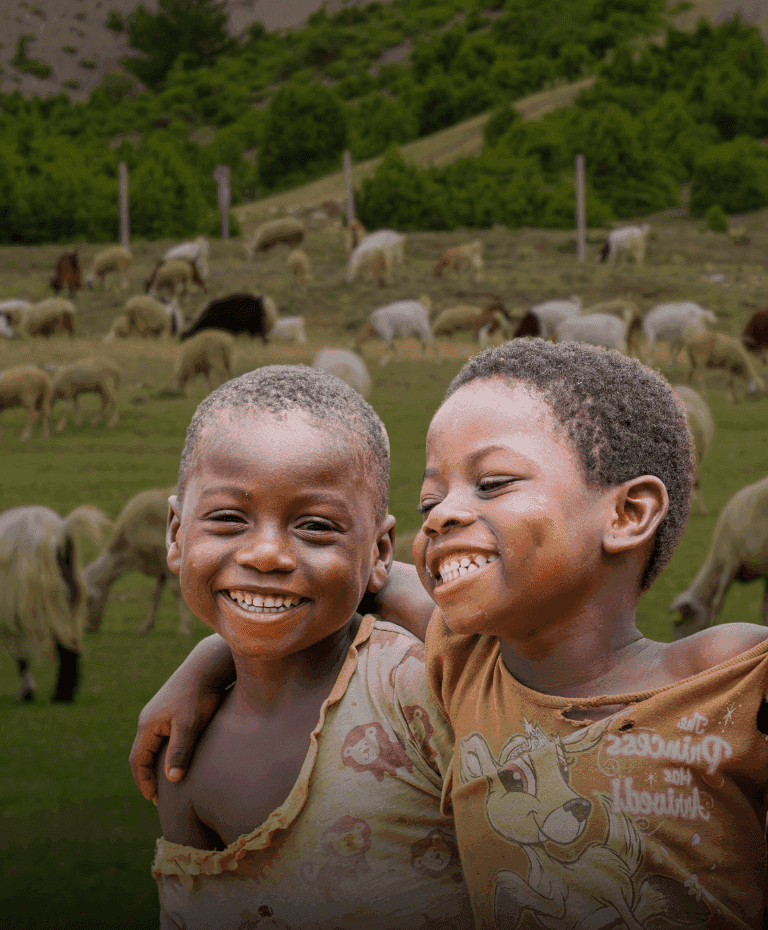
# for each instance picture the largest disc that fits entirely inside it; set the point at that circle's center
(717, 219)
(733, 175)
(115, 21)
(22, 62)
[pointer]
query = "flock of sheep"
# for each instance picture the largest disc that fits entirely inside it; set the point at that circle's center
(40, 550)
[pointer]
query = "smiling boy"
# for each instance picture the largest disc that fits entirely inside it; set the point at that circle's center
(314, 795)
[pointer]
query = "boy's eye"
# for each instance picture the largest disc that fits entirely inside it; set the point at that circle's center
(425, 506)
(493, 484)
(225, 517)
(317, 526)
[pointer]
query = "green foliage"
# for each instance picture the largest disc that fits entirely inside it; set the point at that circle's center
(88, 64)
(376, 123)
(717, 219)
(115, 21)
(304, 134)
(499, 123)
(193, 28)
(733, 175)
(22, 62)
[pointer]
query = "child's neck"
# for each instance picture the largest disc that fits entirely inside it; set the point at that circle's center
(267, 686)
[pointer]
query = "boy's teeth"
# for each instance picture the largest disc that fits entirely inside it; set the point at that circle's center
(256, 603)
(457, 567)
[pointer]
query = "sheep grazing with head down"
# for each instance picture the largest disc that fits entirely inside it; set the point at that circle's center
(379, 252)
(469, 255)
(287, 230)
(195, 251)
(114, 260)
(50, 316)
(29, 387)
(208, 353)
(87, 376)
(43, 607)
(136, 544)
(723, 352)
(13, 309)
(345, 365)
(401, 318)
(172, 276)
(236, 313)
(675, 323)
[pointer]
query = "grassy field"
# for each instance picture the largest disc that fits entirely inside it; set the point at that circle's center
(78, 838)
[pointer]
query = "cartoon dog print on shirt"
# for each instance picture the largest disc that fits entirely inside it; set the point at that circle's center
(530, 803)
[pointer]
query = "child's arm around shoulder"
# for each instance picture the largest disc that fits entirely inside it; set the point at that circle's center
(178, 819)
(717, 644)
(403, 600)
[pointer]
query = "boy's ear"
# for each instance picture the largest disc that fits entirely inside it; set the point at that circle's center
(638, 506)
(384, 556)
(173, 550)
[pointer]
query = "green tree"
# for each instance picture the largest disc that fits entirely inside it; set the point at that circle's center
(193, 28)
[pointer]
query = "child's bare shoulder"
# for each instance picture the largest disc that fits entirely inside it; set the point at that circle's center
(711, 647)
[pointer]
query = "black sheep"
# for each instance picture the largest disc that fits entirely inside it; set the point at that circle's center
(238, 313)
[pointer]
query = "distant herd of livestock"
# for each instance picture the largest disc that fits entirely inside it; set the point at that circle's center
(35, 540)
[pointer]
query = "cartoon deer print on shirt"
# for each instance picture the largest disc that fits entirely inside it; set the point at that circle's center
(530, 803)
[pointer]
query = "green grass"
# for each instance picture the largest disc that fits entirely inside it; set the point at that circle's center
(77, 838)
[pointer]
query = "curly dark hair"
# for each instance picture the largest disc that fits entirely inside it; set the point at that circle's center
(280, 389)
(622, 418)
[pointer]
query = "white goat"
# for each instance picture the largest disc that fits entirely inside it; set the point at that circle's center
(52, 315)
(194, 251)
(701, 426)
(720, 351)
(87, 376)
(380, 252)
(42, 610)
(630, 239)
(137, 544)
(596, 329)
(29, 387)
(552, 312)
(113, 260)
(206, 353)
(470, 255)
(345, 365)
(401, 318)
(738, 551)
(675, 322)
(288, 327)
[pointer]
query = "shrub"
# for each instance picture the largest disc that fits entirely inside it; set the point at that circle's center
(115, 21)
(716, 218)
(22, 62)
(733, 175)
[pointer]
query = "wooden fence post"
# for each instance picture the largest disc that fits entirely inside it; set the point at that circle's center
(125, 223)
(350, 191)
(224, 197)
(581, 211)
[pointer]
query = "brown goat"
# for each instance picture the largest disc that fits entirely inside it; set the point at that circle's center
(68, 272)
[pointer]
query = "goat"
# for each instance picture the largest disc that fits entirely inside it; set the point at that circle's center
(755, 335)
(345, 365)
(720, 351)
(237, 313)
(631, 239)
(110, 261)
(289, 327)
(469, 254)
(67, 273)
(171, 275)
(549, 314)
(675, 322)
(206, 353)
(401, 318)
(28, 387)
(50, 316)
(381, 250)
(195, 251)
(88, 375)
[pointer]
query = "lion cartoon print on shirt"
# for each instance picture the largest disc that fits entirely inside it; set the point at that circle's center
(531, 804)
(344, 846)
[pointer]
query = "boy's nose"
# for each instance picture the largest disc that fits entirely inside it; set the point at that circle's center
(268, 552)
(446, 516)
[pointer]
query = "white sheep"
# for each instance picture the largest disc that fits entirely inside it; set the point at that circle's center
(674, 322)
(552, 312)
(469, 255)
(286, 230)
(147, 316)
(120, 329)
(169, 276)
(298, 265)
(401, 318)
(380, 252)
(194, 251)
(596, 329)
(113, 260)
(6, 330)
(136, 544)
(29, 387)
(628, 310)
(13, 308)
(720, 351)
(206, 353)
(345, 365)
(42, 609)
(52, 315)
(87, 376)
(738, 551)
(288, 327)
(701, 426)
(630, 239)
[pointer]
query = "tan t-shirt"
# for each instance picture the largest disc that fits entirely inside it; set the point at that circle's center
(360, 842)
(651, 818)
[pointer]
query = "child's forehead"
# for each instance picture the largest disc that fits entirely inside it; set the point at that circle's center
(497, 403)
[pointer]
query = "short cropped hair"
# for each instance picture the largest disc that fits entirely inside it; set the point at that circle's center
(622, 419)
(326, 399)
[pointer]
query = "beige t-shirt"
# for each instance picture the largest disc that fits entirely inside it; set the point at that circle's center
(360, 842)
(651, 818)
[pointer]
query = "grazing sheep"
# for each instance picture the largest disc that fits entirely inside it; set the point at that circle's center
(13, 309)
(150, 317)
(549, 314)
(110, 261)
(379, 251)
(206, 353)
(674, 322)
(289, 327)
(6, 330)
(738, 551)
(469, 255)
(630, 239)
(298, 265)
(401, 318)
(50, 316)
(195, 251)
(596, 329)
(720, 351)
(137, 544)
(67, 273)
(169, 276)
(345, 365)
(754, 337)
(284, 231)
(702, 428)
(42, 610)
(354, 233)
(237, 313)
(28, 387)
(120, 328)
(88, 375)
